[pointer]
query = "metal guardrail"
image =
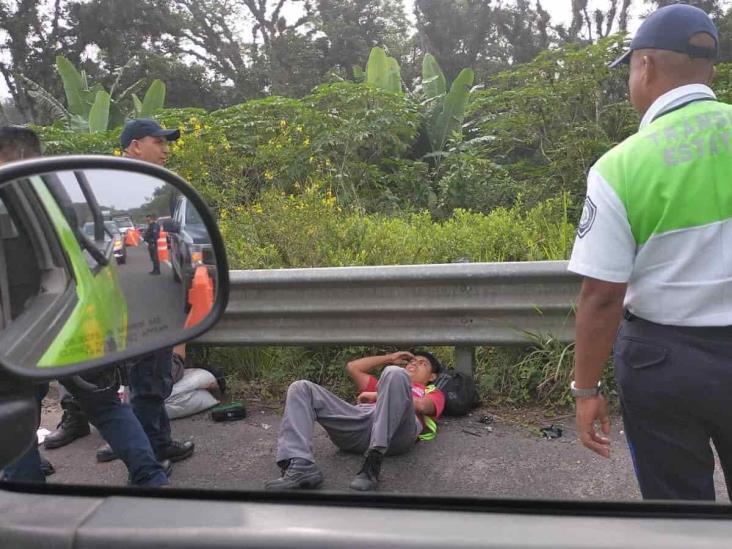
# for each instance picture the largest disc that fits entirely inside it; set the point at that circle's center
(461, 305)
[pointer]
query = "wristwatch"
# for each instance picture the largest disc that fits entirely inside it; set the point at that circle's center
(584, 393)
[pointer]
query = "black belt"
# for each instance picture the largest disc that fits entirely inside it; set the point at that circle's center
(710, 332)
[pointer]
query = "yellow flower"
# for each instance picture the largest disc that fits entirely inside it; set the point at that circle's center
(117, 152)
(283, 123)
(306, 142)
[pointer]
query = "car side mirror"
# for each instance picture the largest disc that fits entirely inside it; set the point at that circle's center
(69, 308)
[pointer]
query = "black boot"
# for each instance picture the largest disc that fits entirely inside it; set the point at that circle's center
(176, 451)
(368, 477)
(74, 424)
(297, 473)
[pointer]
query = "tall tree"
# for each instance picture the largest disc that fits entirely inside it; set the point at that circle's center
(34, 32)
(588, 26)
(481, 34)
(348, 29)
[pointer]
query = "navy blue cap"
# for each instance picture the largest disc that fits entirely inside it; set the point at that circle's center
(144, 127)
(671, 28)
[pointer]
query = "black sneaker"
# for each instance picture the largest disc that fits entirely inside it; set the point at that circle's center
(105, 453)
(74, 424)
(176, 451)
(297, 474)
(368, 477)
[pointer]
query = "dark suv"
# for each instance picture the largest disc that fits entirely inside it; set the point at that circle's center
(189, 244)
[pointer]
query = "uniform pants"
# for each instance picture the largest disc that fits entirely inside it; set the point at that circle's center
(70, 406)
(27, 468)
(118, 426)
(151, 382)
(389, 426)
(153, 251)
(675, 385)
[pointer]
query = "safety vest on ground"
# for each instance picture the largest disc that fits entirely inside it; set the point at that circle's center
(430, 425)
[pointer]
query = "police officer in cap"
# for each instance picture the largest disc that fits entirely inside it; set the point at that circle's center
(150, 377)
(654, 246)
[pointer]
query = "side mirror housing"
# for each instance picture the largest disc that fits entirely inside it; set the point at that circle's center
(66, 309)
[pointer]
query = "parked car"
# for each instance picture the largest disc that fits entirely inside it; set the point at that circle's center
(124, 223)
(189, 243)
(113, 234)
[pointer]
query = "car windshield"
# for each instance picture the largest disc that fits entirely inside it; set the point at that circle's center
(112, 227)
(400, 186)
(124, 222)
(193, 217)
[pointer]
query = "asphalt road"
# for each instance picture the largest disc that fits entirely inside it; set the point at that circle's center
(467, 458)
(154, 303)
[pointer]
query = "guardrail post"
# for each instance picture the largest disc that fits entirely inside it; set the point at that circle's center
(465, 359)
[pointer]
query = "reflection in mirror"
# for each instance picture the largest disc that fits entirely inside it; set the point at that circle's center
(96, 262)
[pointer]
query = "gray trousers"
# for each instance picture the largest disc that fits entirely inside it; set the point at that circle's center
(389, 426)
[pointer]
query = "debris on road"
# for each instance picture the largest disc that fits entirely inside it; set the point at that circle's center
(471, 433)
(551, 432)
(487, 420)
(41, 434)
(266, 426)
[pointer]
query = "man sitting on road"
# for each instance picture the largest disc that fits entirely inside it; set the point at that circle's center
(392, 413)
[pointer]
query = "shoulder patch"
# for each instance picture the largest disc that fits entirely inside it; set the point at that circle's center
(589, 213)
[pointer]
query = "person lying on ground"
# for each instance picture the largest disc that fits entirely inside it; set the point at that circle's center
(391, 415)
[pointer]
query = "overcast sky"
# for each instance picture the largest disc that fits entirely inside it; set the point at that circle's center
(560, 10)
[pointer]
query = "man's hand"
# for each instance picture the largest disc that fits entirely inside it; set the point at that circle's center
(400, 357)
(368, 397)
(590, 410)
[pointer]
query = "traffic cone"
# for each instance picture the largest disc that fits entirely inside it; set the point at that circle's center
(200, 296)
(163, 246)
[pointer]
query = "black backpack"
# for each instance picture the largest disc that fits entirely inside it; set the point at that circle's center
(461, 395)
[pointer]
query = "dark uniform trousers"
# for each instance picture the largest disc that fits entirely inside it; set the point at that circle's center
(151, 382)
(152, 248)
(675, 386)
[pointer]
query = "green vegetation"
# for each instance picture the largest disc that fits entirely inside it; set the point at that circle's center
(345, 176)
(91, 109)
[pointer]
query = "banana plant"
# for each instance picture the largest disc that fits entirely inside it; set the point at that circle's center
(446, 110)
(92, 109)
(383, 71)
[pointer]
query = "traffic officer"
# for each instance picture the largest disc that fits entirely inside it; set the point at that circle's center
(95, 395)
(150, 378)
(152, 233)
(654, 246)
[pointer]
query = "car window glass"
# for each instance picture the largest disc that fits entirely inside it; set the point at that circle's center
(192, 216)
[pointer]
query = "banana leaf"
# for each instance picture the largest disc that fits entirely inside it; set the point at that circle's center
(434, 83)
(450, 118)
(73, 86)
(154, 99)
(99, 113)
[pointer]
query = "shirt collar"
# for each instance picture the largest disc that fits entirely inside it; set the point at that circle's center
(674, 98)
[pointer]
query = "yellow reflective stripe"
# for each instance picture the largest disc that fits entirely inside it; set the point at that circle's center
(431, 429)
(429, 424)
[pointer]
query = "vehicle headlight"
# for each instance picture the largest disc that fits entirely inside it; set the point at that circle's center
(117, 244)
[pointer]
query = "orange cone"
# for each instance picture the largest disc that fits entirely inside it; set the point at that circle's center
(163, 246)
(200, 297)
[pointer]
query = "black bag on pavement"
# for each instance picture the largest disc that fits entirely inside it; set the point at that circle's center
(461, 395)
